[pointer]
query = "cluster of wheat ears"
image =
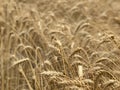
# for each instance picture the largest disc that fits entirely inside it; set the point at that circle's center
(59, 45)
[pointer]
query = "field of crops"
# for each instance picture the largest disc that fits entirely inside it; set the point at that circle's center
(59, 44)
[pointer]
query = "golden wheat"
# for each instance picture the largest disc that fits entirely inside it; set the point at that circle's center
(59, 45)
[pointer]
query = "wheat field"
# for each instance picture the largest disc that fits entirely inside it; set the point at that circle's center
(59, 44)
